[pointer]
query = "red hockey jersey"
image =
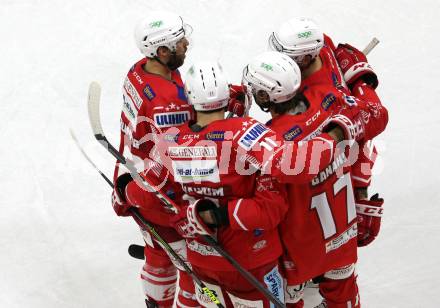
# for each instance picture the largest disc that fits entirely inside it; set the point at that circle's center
(319, 232)
(331, 74)
(221, 161)
(234, 162)
(151, 104)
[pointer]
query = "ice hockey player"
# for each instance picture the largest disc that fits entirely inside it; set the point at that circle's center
(219, 163)
(319, 232)
(256, 148)
(213, 161)
(154, 99)
(347, 69)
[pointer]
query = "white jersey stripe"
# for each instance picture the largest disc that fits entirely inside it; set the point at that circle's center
(236, 216)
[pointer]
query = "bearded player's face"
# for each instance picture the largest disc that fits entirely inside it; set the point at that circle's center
(178, 57)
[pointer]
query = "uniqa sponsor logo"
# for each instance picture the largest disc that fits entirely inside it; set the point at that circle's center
(252, 135)
(171, 118)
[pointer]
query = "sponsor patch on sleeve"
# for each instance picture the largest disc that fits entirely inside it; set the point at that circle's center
(149, 93)
(129, 109)
(328, 100)
(215, 136)
(292, 133)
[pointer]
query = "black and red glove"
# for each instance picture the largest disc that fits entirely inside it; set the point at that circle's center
(204, 216)
(354, 66)
(119, 198)
(180, 222)
(369, 214)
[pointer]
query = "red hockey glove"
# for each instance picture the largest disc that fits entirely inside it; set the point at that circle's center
(236, 103)
(237, 92)
(204, 216)
(354, 65)
(349, 119)
(369, 214)
(181, 224)
(119, 198)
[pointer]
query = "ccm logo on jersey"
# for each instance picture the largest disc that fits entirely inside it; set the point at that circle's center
(170, 119)
(252, 135)
(313, 118)
(328, 100)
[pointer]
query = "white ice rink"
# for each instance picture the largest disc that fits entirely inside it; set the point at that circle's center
(61, 244)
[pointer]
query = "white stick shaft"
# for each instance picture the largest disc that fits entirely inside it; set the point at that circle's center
(93, 99)
(370, 46)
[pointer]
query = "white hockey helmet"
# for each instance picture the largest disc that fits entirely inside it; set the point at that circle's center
(160, 29)
(206, 86)
(274, 73)
(298, 38)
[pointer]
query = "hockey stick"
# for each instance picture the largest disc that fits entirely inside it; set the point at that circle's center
(95, 122)
(374, 41)
(167, 247)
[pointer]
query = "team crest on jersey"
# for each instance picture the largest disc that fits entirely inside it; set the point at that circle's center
(252, 135)
(292, 133)
(259, 245)
(169, 119)
(350, 100)
(328, 100)
(149, 93)
(215, 136)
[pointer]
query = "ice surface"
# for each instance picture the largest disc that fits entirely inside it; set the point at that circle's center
(61, 244)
